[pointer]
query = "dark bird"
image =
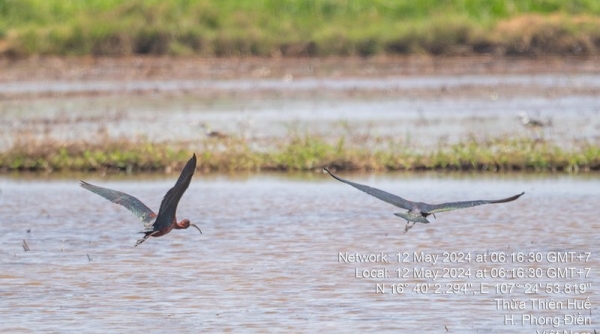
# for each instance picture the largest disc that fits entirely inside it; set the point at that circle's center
(418, 211)
(155, 225)
(212, 133)
(26, 246)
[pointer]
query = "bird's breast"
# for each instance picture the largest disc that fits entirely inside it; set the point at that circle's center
(157, 232)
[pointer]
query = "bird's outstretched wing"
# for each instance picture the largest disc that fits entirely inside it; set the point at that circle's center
(435, 208)
(168, 206)
(380, 194)
(131, 203)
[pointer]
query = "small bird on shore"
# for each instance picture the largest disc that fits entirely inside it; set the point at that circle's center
(212, 133)
(533, 123)
(155, 225)
(418, 211)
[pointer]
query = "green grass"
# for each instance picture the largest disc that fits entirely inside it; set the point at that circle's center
(298, 27)
(300, 152)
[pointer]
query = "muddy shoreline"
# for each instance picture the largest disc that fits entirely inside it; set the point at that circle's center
(44, 77)
(298, 114)
(181, 68)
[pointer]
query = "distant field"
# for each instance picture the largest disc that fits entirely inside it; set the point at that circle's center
(299, 28)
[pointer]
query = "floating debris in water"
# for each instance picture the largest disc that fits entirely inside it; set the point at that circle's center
(25, 246)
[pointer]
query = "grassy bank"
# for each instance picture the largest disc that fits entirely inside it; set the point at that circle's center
(298, 27)
(300, 152)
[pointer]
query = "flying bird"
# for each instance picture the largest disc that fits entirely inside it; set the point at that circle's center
(418, 211)
(155, 225)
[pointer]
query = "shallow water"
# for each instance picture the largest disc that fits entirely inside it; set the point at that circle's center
(310, 84)
(271, 256)
(420, 111)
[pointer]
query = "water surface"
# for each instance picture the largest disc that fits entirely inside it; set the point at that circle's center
(269, 255)
(420, 111)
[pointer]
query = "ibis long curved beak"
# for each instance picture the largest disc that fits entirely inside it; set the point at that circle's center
(194, 225)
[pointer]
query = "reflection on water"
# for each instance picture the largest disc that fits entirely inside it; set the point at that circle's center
(269, 255)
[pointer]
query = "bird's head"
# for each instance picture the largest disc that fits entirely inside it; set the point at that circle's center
(184, 224)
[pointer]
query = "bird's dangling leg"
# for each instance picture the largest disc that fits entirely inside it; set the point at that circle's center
(144, 238)
(141, 240)
(408, 226)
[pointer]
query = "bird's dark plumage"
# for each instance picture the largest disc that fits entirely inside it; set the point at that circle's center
(435, 208)
(154, 224)
(418, 211)
(382, 195)
(168, 206)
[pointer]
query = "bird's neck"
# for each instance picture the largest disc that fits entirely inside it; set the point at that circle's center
(180, 225)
